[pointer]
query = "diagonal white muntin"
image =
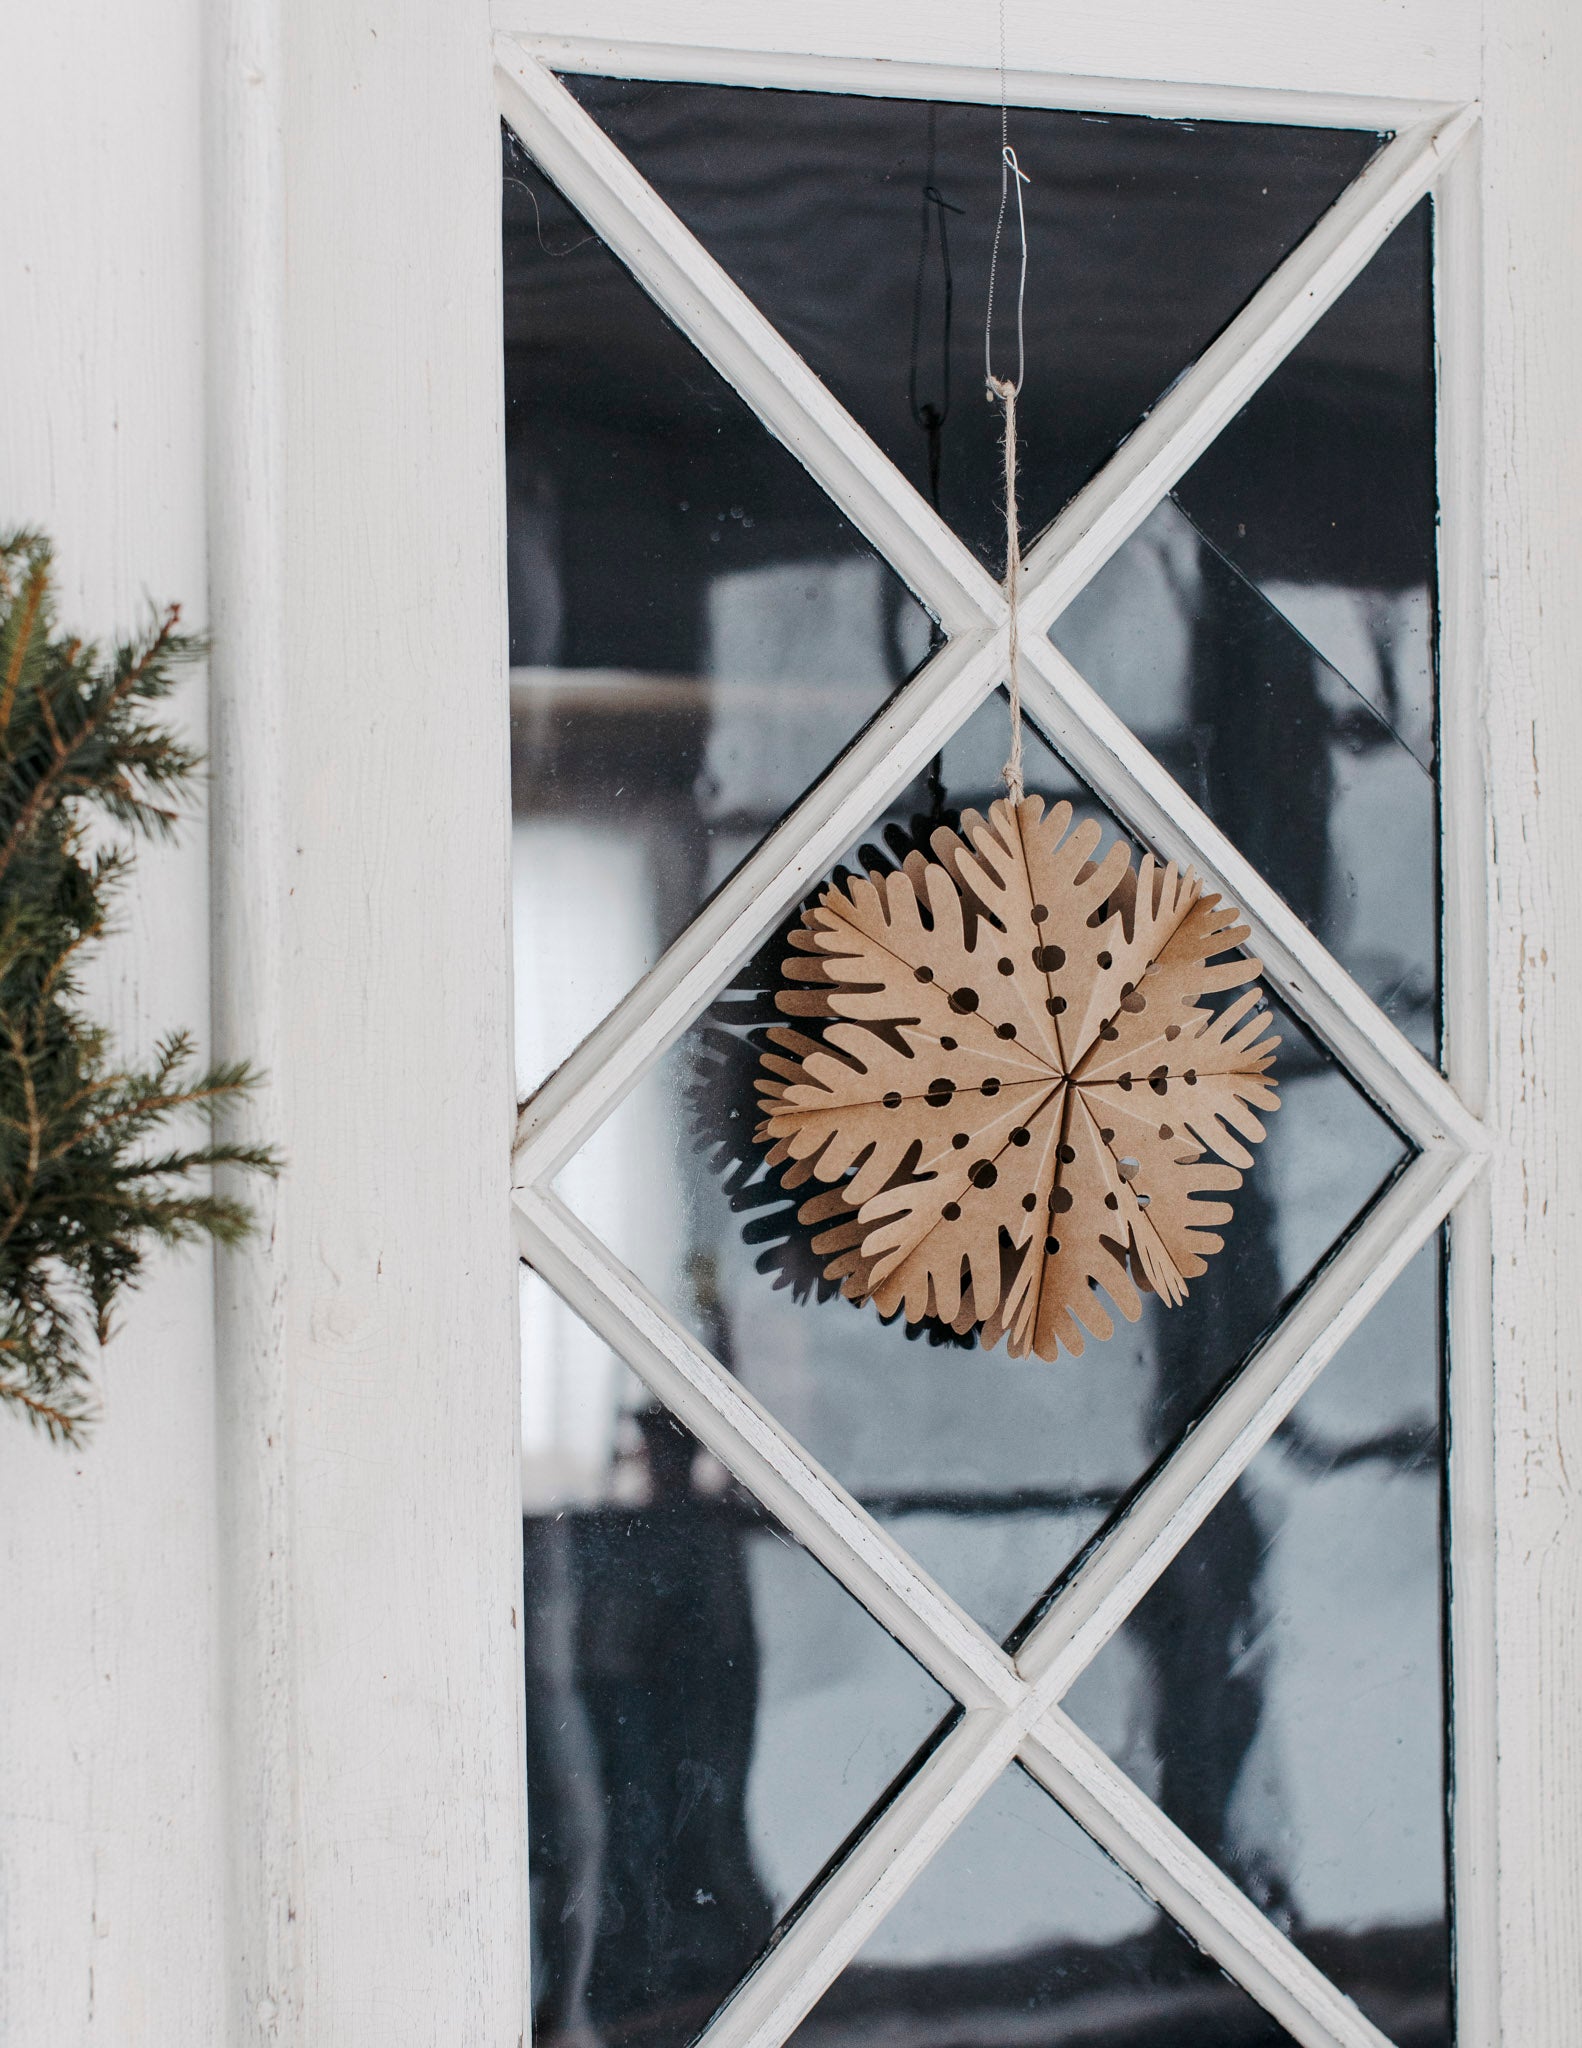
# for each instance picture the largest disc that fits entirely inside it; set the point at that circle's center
(1012, 1705)
(731, 332)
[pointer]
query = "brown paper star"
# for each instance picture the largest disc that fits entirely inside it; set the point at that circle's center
(1018, 1099)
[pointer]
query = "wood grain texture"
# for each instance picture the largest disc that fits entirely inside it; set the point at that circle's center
(1422, 49)
(1532, 191)
(110, 1778)
(398, 1262)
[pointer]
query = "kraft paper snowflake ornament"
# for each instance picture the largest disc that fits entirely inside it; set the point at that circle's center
(1019, 1098)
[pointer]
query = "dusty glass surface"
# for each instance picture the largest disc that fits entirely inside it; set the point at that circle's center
(1022, 1929)
(1302, 772)
(993, 1472)
(862, 227)
(1322, 491)
(695, 630)
(709, 1714)
(1281, 1690)
(1268, 631)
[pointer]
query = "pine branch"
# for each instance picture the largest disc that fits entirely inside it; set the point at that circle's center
(84, 1192)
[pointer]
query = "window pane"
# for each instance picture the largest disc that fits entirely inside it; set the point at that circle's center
(1268, 632)
(1322, 491)
(1281, 1690)
(695, 630)
(1022, 1929)
(1145, 238)
(709, 1714)
(993, 1472)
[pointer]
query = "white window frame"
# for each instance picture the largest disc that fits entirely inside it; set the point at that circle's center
(1012, 1702)
(368, 1418)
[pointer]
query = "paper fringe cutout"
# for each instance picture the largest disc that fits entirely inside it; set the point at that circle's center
(1017, 1100)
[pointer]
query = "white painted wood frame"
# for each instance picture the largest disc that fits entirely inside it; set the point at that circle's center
(702, 300)
(261, 1781)
(1443, 1120)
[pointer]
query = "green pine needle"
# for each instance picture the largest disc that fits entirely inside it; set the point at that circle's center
(84, 1190)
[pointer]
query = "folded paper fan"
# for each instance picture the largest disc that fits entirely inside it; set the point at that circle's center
(1018, 1098)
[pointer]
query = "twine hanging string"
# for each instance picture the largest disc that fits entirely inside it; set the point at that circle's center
(1007, 390)
(1012, 770)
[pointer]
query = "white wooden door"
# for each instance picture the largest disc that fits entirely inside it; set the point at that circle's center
(381, 1869)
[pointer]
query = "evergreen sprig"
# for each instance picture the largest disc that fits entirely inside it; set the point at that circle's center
(88, 1180)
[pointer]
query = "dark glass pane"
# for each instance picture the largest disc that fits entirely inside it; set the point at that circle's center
(1145, 238)
(695, 630)
(1022, 1929)
(709, 1714)
(993, 1472)
(1281, 1690)
(1281, 750)
(1323, 490)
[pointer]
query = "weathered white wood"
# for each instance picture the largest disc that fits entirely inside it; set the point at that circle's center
(745, 348)
(901, 77)
(735, 337)
(251, 859)
(1463, 781)
(1532, 427)
(111, 1823)
(394, 1070)
(707, 304)
(728, 1421)
(1401, 49)
(1175, 1873)
(831, 1929)
(1184, 1492)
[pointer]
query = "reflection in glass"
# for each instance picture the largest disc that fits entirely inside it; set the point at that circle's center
(993, 1473)
(1281, 1692)
(1302, 772)
(695, 630)
(862, 228)
(709, 1714)
(1022, 1929)
(1322, 491)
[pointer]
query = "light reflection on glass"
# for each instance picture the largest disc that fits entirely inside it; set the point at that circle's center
(1280, 1691)
(1022, 1929)
(993, 1472)
(695, 630)
(709, 1715)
